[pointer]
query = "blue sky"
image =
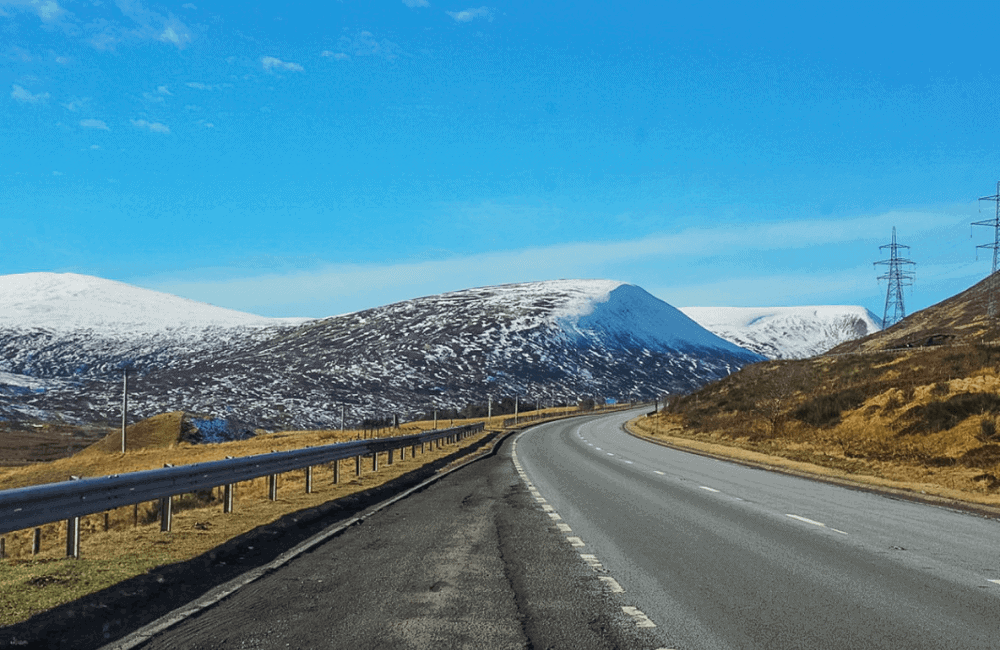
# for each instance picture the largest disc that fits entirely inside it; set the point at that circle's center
(309, 159)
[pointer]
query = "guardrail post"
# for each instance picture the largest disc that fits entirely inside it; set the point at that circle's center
(107, 524)
(421, 447)
(272, 487)
(309, 479)
(166, 514)
(374, 461)
(73, 537)
(227, 498)
(357, 465)
(3, 547)
(413, 451)
(336, 472)
(36, 542)
(391, 453)
(402, 453)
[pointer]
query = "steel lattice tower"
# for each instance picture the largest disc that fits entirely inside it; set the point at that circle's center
(995, 224)
(898, 277)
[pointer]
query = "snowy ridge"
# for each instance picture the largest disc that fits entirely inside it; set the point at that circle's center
(68, 302)
(558, 340)
(787, 332)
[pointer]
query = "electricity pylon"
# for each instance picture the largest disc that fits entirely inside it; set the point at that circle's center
(898, 277)
(994, 223)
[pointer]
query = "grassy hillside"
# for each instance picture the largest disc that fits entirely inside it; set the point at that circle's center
(916, 406)
(926, 419)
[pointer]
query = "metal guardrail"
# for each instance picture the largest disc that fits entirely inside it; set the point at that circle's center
(28, 507)
(534, 416)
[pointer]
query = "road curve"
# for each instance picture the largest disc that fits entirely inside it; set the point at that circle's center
(721, 556)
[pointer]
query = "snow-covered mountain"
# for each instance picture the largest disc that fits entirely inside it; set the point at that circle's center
(62, 356)
(787, 332)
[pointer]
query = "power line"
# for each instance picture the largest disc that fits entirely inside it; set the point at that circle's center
(898, 277)
(994, 223)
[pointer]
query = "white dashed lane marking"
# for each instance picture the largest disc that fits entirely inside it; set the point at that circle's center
(564, 528)
(656, 471)
(995, 582)
(575, 541)
(641, 620)
(705, 487)
(813, 522)
(612, 584)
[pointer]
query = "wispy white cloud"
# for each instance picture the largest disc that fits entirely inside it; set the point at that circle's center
(177, 33)
(365, 44)
(468, 15)
(62, 60)
(163, 90)
(155, 127)
(48, 10)
(57, 173)
(271, 64)
(188, 5)
(416, 3)
(197, 85)
(94, 124)
(339, 56)
(336, 288)
(27, 97)
(76, 104)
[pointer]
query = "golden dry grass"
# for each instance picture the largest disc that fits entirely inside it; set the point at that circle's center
(916, 421)
(133, 543)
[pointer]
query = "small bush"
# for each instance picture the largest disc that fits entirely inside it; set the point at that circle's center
(941, 416)
(940, 389)
(824, 410)
(987, 429)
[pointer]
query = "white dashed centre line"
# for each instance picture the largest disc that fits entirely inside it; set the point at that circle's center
(575, 541)
(554, 516)
(564, 528)
(628, 462)
(995, 581)
(641, 620)
(547, 508)
(612, 584)
(656, 471)
(705, 487)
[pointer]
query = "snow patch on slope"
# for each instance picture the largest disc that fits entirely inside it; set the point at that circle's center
(787, 332)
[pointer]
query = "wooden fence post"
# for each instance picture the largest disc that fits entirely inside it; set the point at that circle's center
(36, 542)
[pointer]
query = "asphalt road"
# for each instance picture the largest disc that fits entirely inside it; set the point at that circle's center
(718, 555)
(576, 535)
(472, 561)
